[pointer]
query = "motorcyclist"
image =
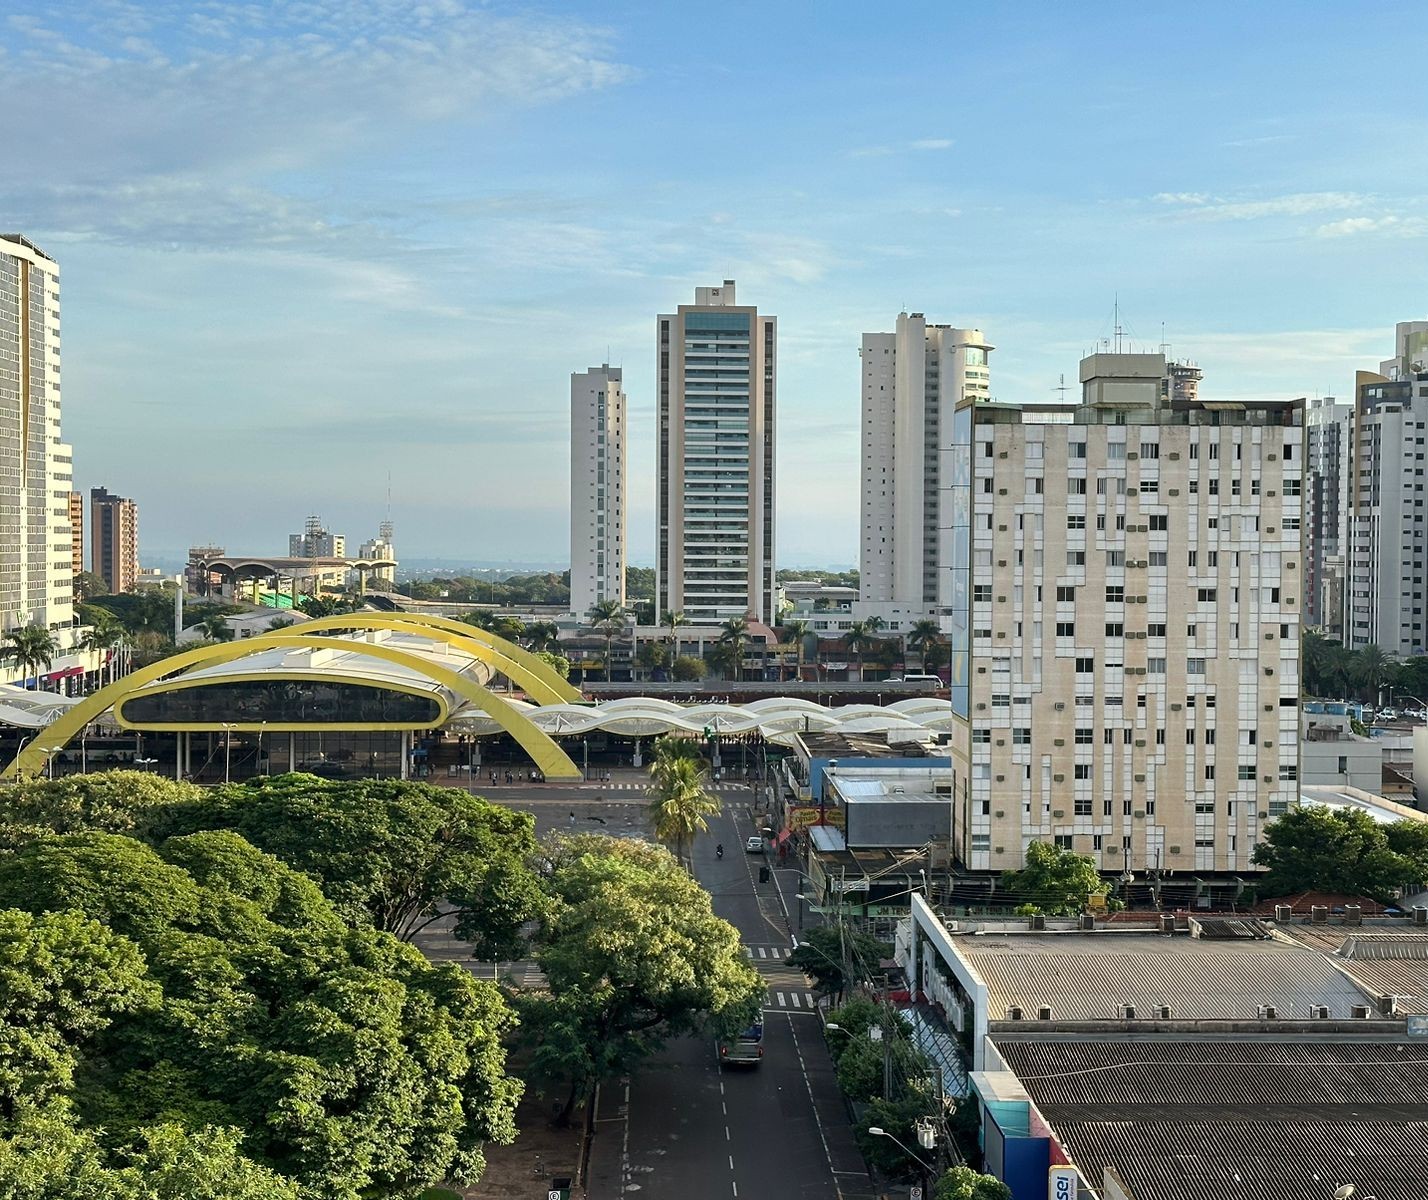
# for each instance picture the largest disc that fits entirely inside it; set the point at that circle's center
(719, 850)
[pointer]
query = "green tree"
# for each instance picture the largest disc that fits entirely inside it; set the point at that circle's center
(923, 635)
(268, 997)
(108, 801)
(672, 621)
(680, 806)
(687, 669)
(1409, 840)
(608, 618)
(634, 955)
(639, 583)
(860, 638)
(652, 656)
(281, 623)
(963, 1183)
(32, 648)
(391, 853)
(89, 584)
(542, 635)
(1373, 669)
(329, 606)
(556, 662)
(1055, 881)
(795, 633)
(1316, 849)
(104, 638)
(733, 637)
(835, 958)
(898, 1117)
(216, 628)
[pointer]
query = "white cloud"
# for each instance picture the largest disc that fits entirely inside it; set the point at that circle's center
(889, 148)
(1181, 198)
(931, 144)
(1297, 204)
(1392, 225)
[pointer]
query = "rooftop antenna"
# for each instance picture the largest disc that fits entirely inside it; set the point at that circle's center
(1119, 331)
(1062, 388)
(1164, 345)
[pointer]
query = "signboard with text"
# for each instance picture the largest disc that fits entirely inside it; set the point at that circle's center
(1062, 1182)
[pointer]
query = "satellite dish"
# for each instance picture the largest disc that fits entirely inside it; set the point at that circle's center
(1344, 1191)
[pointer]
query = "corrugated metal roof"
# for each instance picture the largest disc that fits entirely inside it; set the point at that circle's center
(1253, 1160)
(1388, 962)
(1080, 1080)
(1088, 978)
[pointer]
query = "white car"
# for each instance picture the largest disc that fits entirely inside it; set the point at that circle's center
(755, 845)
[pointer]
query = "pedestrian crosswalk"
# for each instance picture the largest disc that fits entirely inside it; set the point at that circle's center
(789, 1001)
(767, 952)
(644, 787)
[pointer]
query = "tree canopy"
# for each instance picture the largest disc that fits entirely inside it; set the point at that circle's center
(834, 958)
(391, 853)
(167, 994)
(1316, 849)
(1055, 881)
(963, 1183)
(634, 954)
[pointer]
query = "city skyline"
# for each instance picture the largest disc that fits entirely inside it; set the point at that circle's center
(353, 232)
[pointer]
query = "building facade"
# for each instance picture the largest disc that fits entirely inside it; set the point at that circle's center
(599, 453)
(1384, 498)
(114, 539)
(316, 541)
(36, 575)
(381, 547)
(913, 381)
(1136, 589)
(1327, 427)
(717, 371)
(74, 503)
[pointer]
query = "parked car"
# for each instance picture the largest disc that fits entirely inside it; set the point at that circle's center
(755, 845)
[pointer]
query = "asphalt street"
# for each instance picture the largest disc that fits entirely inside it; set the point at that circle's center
(685, 1126)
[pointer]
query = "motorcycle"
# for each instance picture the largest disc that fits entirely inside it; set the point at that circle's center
(719, 850)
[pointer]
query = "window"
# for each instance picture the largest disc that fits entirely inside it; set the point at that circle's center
(1076, 521)
(1288, 771)
(1066, 629)
(1214, 485)
(1076, 486)
(982, 593)
(1115, 595)
(1193, 558)
(1065, 595)
(1109, 737)
(1076, 450)
(1159, 523)
(1291, 487)
(1084, 666)
(1115, 629)
(1194, 666)
(1155, 666)
(1210, 773)
(1075, 558)
(1021, 737)
(1191, 631)
(1150, 449)
(1115, 451)
(1150, 487)
(1115, 558)
(1083, 806)
(1247, 771)
(1001, 699)
(1206, 595)
(1083, 736)
(981, 737)
(1154, 630)
(1064, 841)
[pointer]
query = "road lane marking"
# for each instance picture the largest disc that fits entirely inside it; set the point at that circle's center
(731, 1162)
(727, 1138)
(813, 1104)
(794, 997)
(780, 998)
(763, 953)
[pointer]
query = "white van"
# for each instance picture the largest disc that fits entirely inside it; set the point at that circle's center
(935, 680)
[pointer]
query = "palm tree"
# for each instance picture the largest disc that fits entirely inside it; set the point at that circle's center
(482, 618)
(794, 632)
(33, 648)
(920, 637)
(215, 628)
(1373, 667)
(510, 628)
(679, 804)
(733, 633)
(542, 635)
(608, 616)
(674, 620)
(104, 638)
(861, 635)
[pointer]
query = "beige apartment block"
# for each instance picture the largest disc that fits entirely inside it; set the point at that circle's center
(1135, 597)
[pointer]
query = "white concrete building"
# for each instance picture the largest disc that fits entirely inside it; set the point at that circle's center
(717, 371)
(1386, 526)
(316, 541)
(599, 454)
(913, 380)
(1327, 428)
(37, 582)
(1135, 579)
(1331, 754)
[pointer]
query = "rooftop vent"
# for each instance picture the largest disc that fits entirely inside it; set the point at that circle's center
(1014, 1012)
(1044, 1012)
(1038, 921)
(1320, 1012)
(1167, 922)
(1267, 1012)
(1353, 914)
(1360, 1012)
(1319, 914)
(1163, 1011)
(1283, 913)
(1388, 1005)
(1420, 915)
(1128, 1012)
(1086, 923)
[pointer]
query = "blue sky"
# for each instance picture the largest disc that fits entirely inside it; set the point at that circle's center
(304, 245)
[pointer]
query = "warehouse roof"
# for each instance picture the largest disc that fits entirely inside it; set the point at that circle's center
(1386, 958)
(1087, 977)
(1235, 1120)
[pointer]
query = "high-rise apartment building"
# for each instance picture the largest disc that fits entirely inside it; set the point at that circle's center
(913, 381)
(598, 459)
(74, 504)
(1128, 579)
(716, 489)
(316, 541)
(1386, 528)
(383, 546)
(114, 539)
(36, 580)
(1327, 425)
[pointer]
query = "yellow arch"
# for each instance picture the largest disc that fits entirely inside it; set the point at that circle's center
(549, 757)
(540, 682)
(519, 657)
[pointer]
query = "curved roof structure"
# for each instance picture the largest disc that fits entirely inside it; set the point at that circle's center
(404, 671)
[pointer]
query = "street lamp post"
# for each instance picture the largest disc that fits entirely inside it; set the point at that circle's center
(227, 749)
(927, 1171)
